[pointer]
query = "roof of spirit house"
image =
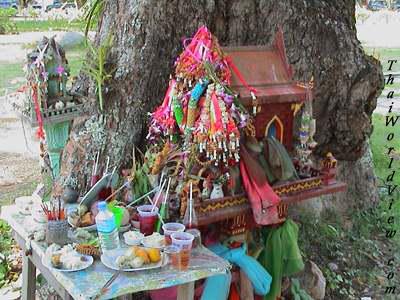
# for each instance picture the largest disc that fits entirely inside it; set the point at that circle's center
(266, 69)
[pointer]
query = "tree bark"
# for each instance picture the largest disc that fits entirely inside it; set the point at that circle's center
(320, 38)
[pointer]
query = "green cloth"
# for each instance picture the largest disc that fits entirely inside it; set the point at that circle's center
(297, 292)
(281, 256)
(277, 152)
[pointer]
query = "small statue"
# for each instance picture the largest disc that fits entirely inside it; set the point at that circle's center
(329, 169)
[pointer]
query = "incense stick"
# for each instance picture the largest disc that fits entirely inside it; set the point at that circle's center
(107, 164)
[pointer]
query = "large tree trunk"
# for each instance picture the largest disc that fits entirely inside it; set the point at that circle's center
(320, 38)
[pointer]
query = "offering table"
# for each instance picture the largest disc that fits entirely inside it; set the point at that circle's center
(86, 284)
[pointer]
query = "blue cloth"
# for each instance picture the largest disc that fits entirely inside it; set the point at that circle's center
(258, 276)
(217, 287)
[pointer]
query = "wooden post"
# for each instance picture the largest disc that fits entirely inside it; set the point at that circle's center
(28, 279)
(186, 291)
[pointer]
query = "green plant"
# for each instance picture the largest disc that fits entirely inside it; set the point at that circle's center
(96, 67)
(6, 24)
(33, 13)
(5, 247)
(140, 183)
(93, 10)
(8, 12)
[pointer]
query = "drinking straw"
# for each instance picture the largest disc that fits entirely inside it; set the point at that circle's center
(133, 160)
(111, 177)
(97, 162)
(94, 165)
(158, 196)
(158, 214)
(190, 204)
(143, 196)
(163, 205)
(119, 189)
(106, 169)
(162, 177)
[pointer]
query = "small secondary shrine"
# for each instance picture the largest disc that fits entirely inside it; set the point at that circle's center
(276, 97)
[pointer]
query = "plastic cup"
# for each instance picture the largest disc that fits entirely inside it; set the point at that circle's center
(197, 237)
(118, 214)
(147, 218)
(184, 242)
(173, 254)
(170, 228)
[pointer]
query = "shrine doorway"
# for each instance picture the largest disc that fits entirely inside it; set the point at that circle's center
(275, 129)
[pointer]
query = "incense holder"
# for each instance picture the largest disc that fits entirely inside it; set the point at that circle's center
(57, 232)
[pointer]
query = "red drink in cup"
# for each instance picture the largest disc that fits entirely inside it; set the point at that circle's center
(183, 241)
(170, 228)
(147, 218)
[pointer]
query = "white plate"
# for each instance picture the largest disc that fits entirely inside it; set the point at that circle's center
(46, 261)
(133, 242)
(109, 260)
(146, 243)
(152, 246)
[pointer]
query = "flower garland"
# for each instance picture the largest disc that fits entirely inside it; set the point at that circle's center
(198, 107)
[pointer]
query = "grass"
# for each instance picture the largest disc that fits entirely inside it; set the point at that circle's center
(355, 244)
(380, 146)
(11, 71)
(56, 25)
(385, 54)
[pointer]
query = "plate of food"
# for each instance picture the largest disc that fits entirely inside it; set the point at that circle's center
(134, 259)
(133, 238)
(83, 217)
(155, 240)
(65, 259)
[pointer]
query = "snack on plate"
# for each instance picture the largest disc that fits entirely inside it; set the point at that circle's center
(155, 240)
(136, 257)
(66, 258)
(55, 261)
(87, 219)
(82, 217)
(133, 238)
(87, 249)
(154, 255)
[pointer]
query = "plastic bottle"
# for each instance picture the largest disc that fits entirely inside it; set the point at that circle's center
(106, 228)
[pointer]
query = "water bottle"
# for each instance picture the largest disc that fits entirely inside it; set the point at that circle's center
(106, 228)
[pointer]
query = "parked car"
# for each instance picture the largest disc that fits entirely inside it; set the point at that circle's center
(68, 5)
(56, 4)
(376, 5)
(396, 5)
(36, 6)
(9, 4)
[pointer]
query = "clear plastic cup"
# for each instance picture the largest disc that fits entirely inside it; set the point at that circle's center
(197, 237)
(147, 218)
(170, 228)
(173, 254)
(184, 242)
